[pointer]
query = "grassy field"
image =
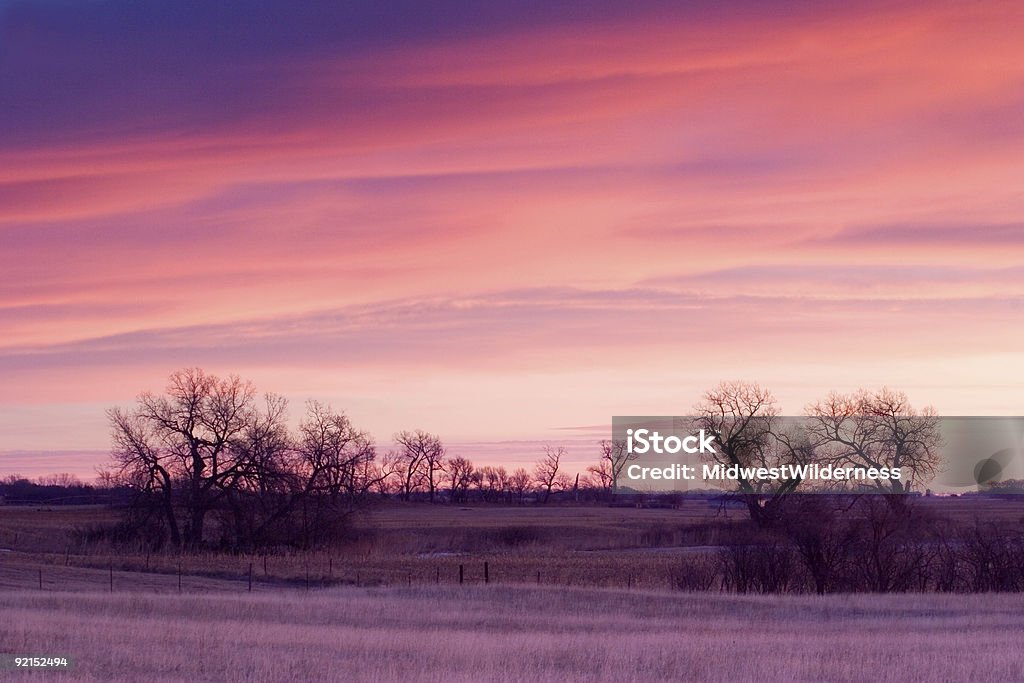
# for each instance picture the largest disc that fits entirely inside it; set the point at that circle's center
(396, 545)
(419, 544)
(514, 633)
(385, 604)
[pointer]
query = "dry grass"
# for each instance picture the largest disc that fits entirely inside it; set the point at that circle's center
(46, 529)
(401, 545)
(607, 569)
(514, 633)
(395, 611)
(420, 544)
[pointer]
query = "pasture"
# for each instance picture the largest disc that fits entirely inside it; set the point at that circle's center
(393, 544)
(514, 633)
(572, 593)
(419, 544)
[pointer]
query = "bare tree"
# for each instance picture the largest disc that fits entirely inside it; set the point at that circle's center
(823, 536)
(206, 453)
(546, 470)
(601, 475)
(335, 453)
(519, 484)
(261, 487)
(186, 434)
(197, 420)
(742, 417)
(392, 474)
(423, 454)
(460, 475)
(145, 468)
(875, 430)
(493, 482)
(63, 480)
(476, 482)
(335, 462)
(615, 456)
(408, 471)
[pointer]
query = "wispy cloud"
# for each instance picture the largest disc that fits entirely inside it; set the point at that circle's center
(526, 198)
(932, 236)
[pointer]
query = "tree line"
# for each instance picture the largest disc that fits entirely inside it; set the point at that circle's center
(863, 430)
(53, 489)
(843, 543)
(211, 462)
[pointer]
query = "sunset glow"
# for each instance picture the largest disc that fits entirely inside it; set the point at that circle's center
(510, 222)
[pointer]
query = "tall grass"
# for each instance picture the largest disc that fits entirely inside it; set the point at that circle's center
(515, 633)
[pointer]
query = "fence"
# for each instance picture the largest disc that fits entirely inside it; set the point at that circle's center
(22, 574)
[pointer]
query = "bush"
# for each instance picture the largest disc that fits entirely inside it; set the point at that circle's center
(513, 536)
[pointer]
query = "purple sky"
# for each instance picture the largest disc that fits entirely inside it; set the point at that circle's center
(496, 221)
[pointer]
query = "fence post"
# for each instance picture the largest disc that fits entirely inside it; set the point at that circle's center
(179, 576)
(487, 574)
(538, 577)
(461, 575)
(250, 577)
(40, 579)
(111, 577)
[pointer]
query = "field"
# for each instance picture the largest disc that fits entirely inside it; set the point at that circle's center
(514, 633)
(419, 544)
(392, 545)
(572, 593)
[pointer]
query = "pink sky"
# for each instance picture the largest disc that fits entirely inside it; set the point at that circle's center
(501, 226)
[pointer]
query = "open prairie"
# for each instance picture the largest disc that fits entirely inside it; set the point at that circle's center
(579, 593)
(514, 633)
(391, 544)
(418, 544)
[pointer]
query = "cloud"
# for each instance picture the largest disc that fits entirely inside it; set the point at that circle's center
(34, 464)
(513, 191)
(854, 280)
(959, 236)
(544, 329)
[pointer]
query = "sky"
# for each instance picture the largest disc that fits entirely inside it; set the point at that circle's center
(505, 222)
